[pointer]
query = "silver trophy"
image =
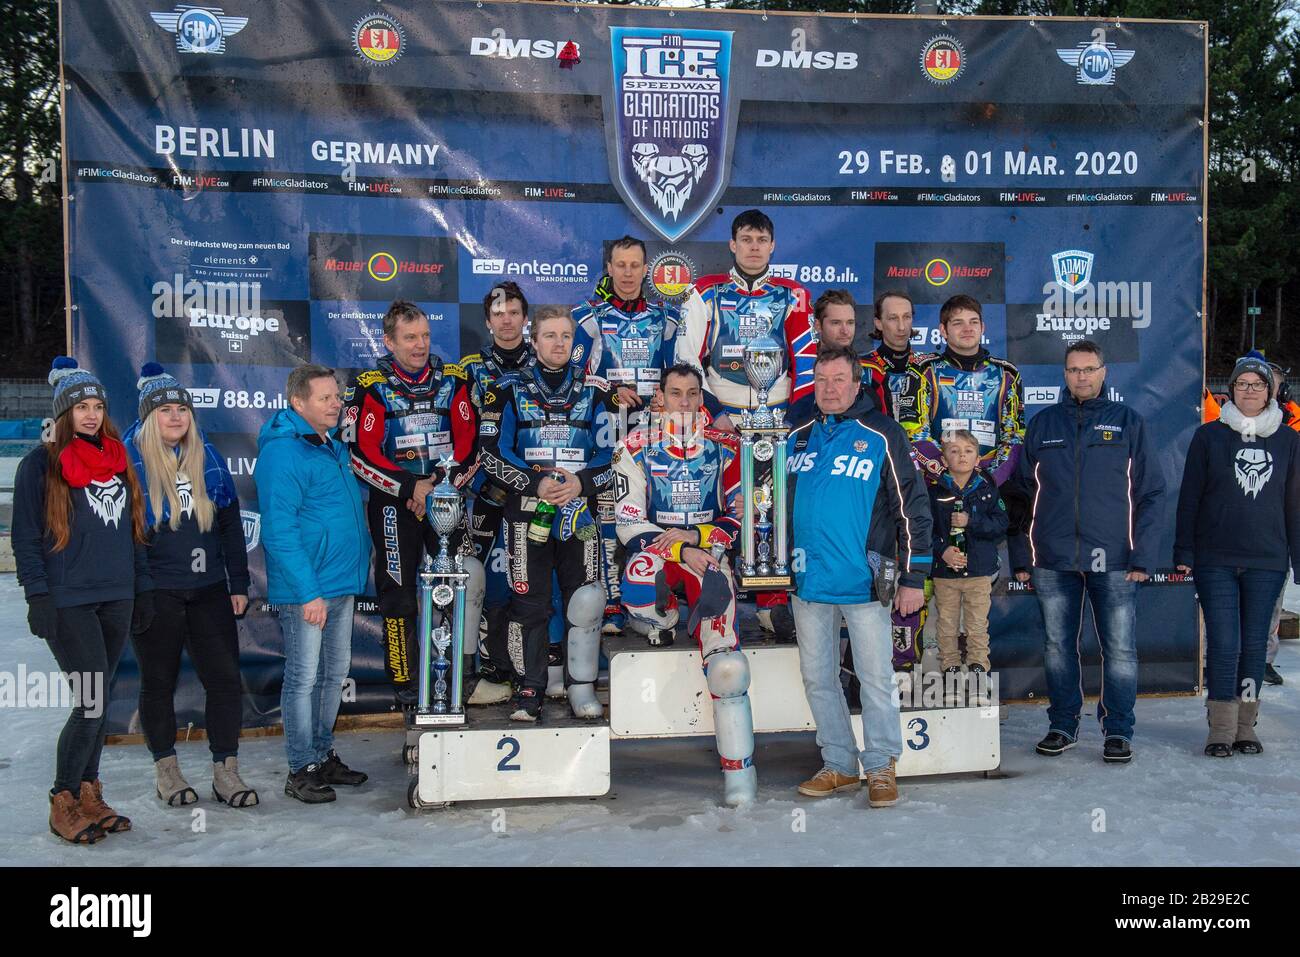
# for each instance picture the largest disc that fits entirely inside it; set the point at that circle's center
(764, 363)
(442, 582)
(764, 542)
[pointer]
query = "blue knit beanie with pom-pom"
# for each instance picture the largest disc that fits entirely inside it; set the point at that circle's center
(158, 387)
(73, 385)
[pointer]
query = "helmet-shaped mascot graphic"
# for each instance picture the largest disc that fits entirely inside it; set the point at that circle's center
(1254, 468)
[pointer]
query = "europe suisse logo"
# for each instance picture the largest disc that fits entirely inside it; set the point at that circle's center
(1095, 63)
(670, 123)
(199, 29)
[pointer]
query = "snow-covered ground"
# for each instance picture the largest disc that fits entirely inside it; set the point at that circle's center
(1171, 806)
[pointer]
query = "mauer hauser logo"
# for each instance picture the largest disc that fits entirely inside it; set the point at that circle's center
(670, 123)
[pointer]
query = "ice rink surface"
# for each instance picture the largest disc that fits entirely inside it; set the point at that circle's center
(1171, 806)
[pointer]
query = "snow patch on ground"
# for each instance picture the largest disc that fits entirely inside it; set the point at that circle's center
(1171, 806)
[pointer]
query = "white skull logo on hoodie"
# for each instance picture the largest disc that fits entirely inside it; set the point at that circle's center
(107, 499)
(1254, 468)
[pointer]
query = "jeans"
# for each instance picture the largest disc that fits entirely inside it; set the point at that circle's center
(1238, 607)
(201, 621)
(316, 661)
(1114, 609)
(87, 644)
(818, 628)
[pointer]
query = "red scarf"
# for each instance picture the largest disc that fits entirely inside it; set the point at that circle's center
(82, 462)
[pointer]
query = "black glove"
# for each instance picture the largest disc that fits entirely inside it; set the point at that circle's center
(142, 614)
(42, 616)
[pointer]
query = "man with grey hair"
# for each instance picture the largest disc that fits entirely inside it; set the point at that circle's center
(317, 558)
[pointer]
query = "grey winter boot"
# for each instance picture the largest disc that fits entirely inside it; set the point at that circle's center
(172, 787)
(228, 787)
(1247, 741)
(1223, 728)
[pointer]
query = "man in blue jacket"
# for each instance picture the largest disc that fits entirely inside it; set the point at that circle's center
(1097, 501)
(317, 557)
(861, 528)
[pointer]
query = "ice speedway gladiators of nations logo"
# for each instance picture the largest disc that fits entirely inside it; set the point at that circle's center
(670, 123)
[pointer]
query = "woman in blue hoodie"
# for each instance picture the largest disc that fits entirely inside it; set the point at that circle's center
(1238, 530)
(78, 534)
(199, 568)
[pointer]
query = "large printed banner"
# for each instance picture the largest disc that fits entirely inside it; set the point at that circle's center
(251, 185)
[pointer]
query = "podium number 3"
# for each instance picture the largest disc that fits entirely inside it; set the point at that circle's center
(920, 740)
(504, 764)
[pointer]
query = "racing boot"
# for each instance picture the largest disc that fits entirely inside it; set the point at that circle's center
(492, 687)
(555, 672)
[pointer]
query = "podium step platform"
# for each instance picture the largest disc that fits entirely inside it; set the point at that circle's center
(659, 693)
(492, 758)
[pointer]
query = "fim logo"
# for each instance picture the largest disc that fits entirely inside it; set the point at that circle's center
(1095, 63)
(252, 528)
(199, 29)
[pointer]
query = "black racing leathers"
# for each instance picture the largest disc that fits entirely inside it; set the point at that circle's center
(397, 425)
(546, 420)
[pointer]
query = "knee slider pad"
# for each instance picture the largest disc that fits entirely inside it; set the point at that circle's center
(727, 674)
(476, 584)
(586, 606)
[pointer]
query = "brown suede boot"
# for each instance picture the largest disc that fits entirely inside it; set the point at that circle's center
(93, 806)
(882, 786)
(1247, 741)
(68, 821)
(1223, 728)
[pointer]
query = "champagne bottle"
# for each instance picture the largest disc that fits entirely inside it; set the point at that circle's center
(957, 536)
(539, 529)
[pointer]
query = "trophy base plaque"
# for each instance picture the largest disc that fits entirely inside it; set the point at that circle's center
(764, 582)
(429, 719)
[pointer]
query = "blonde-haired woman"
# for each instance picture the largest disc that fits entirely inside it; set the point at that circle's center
(199, 567)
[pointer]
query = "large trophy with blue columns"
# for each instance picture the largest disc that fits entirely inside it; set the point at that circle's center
(764, 536)
(442, 582)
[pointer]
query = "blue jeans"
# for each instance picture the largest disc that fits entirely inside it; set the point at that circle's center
(818, 628)
(1114, 609)
(316, 661)
(1238, 607)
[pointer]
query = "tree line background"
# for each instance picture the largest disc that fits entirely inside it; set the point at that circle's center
(1254, 198)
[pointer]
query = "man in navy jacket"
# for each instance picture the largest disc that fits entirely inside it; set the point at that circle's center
(1097, 501)
(860, 527)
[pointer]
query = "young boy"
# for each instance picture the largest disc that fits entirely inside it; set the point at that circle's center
(965, 501)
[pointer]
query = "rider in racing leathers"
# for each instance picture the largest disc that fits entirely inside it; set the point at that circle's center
(552, 444)
(677, 486)
(725, 312)
(626, 340)
(400, 418)
(495, 366)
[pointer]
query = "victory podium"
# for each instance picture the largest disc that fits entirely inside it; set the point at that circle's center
(661, 693)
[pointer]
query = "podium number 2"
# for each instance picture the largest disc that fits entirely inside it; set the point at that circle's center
(504, 764)
(918, 726)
